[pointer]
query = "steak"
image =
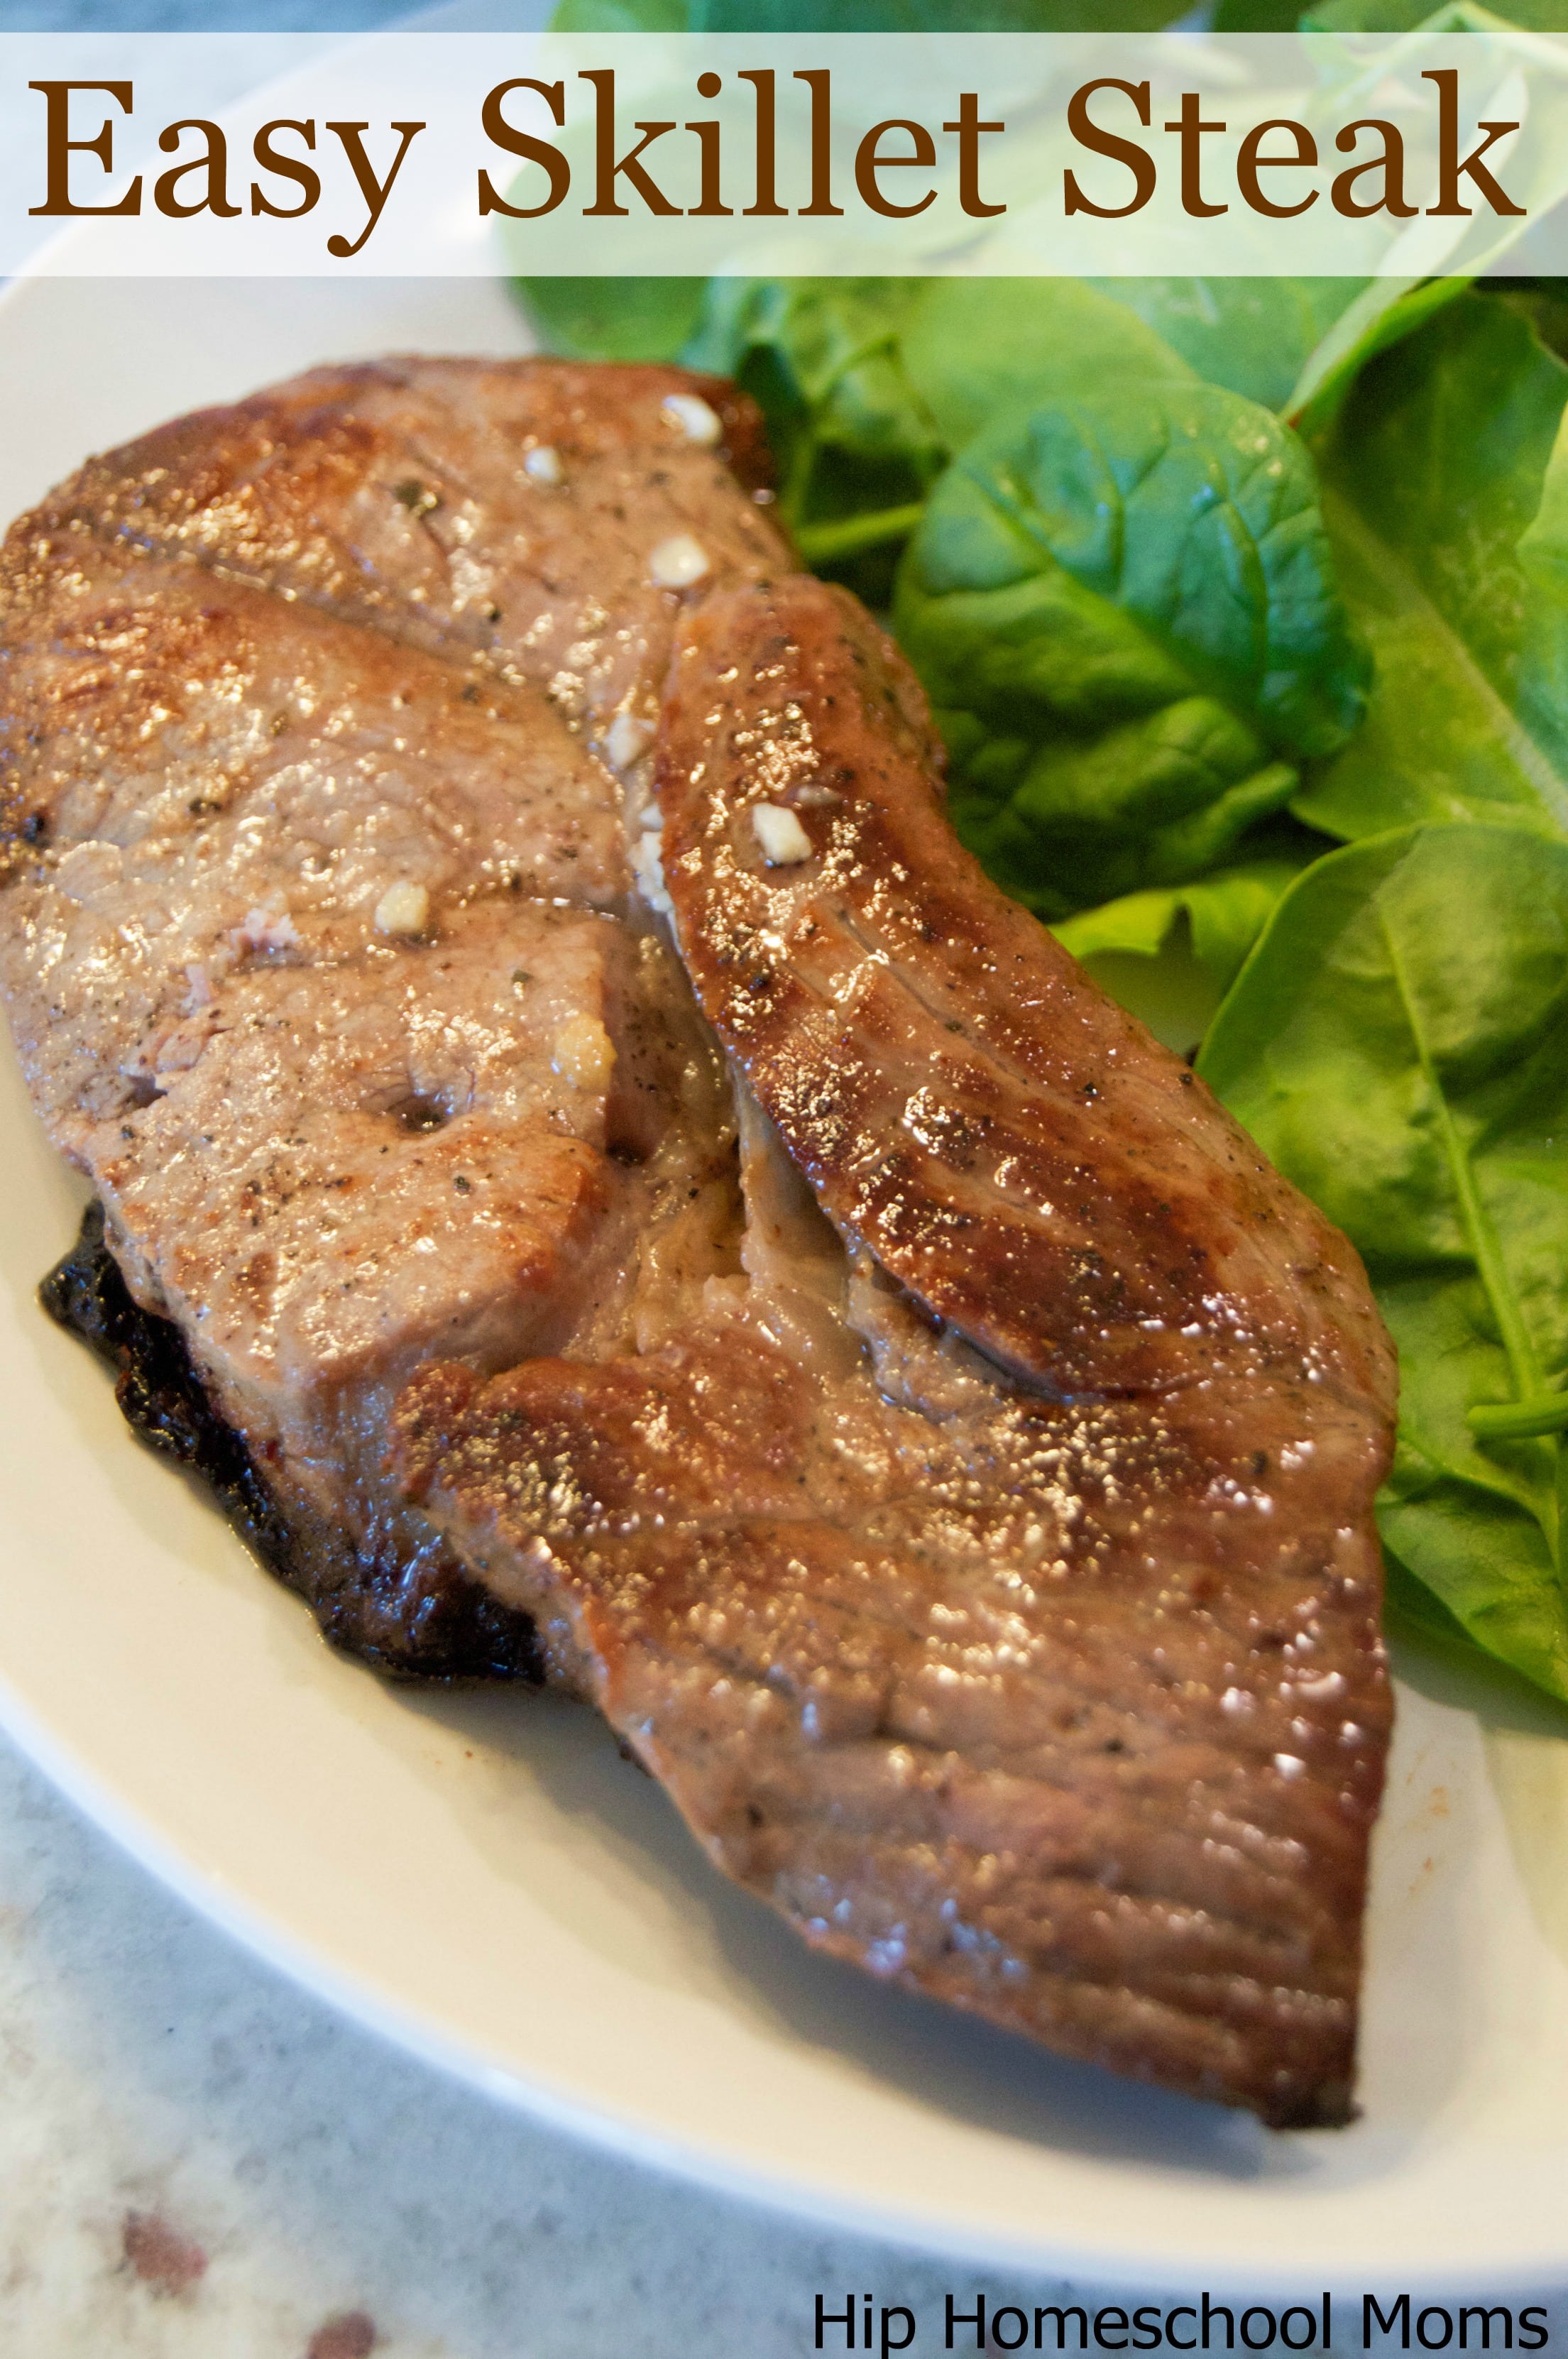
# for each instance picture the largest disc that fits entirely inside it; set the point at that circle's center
(968, 1105)
(880, 1377)
(464, 1633)
(317, 931)
(991, 1576)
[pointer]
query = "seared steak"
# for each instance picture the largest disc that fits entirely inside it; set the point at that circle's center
(318, 936)
(1056, 1692)
(510, 509)
(979, 1548)
(462, 1631)
(968, 1105)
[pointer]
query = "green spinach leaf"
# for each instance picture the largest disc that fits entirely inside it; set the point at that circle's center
(1253, 335)
(621, 16)
(615, 319)
(1224, 915)
(1409, 16)
(1126, 616)
(1295, 344)
(1436, 477)
(862, 16)
(869, 384)
(1397, 1043)
(824, 358)
(976, 347)
(1384, 312)
(1256, 15)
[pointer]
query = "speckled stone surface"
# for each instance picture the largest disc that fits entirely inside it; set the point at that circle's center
(199, 2162)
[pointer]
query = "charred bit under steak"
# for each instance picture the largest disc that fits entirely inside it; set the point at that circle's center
(851, 1351)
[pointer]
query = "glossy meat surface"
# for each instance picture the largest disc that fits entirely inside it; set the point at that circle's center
(986, 1568)
(966, 1102)
(1071, 1714)
(1054, 1691)
(318, 932)
(506, 509)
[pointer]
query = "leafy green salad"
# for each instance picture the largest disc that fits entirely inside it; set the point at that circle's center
(1243, 608)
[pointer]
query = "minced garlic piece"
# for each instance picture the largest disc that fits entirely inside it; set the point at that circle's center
(264, 933)
(624, 739)
(648, 870)
(403, 909)
(678, 561)
(583, 1053)
(783, 840)
(543, 464)
(696, 419)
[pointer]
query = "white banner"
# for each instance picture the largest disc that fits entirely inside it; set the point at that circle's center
(461, 154)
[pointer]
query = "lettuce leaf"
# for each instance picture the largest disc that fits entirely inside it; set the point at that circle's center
(1397, 1043)
(1125, 614)
(1450, 547)
(1222, 913)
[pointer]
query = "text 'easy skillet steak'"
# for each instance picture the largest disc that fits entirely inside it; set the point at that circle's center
(980, 1548)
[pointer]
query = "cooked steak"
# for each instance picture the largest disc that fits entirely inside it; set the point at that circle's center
(966, 1103)
(994, 1581)
(319, 935)
(464, 1632)
(510, 508)
(979, 1548)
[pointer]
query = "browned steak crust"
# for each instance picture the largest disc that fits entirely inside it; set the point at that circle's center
(1062, 1712)
(1056, 1692)
(451, 1629)
(387, 630)
(965, 1101)
(987, 1568)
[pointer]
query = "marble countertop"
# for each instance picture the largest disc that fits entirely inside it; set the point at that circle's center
(197, 2161)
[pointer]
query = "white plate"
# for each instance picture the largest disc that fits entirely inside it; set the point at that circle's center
(482, 1877)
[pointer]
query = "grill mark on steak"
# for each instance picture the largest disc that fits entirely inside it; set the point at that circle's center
(249, 690)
